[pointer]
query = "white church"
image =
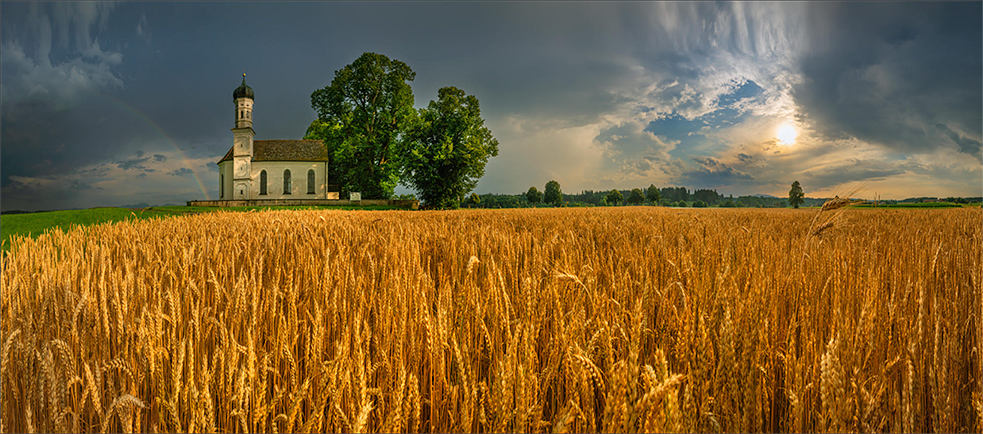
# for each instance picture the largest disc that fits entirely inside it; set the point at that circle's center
(270, 169)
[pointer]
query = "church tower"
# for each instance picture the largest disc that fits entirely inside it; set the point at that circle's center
(242, 144)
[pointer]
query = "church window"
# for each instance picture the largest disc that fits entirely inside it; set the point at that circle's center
(221, 185)
(286, 181)
(310, 181)
(262, 182)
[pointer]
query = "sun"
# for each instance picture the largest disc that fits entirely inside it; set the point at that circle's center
(786, 134)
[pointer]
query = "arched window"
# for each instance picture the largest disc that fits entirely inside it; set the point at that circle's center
(286, 181)
(310, 181)
(262, 182)
(221, 186)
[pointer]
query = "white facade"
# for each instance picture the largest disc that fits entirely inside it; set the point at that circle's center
(299, 187)
(244, 177)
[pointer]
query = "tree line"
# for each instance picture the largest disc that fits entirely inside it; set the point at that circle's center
(553, 196)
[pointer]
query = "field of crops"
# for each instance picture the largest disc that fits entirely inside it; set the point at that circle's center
(604, 319)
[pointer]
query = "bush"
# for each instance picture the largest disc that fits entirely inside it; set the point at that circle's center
(699, 204)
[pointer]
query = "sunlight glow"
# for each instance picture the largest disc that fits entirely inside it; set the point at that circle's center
(786, 134)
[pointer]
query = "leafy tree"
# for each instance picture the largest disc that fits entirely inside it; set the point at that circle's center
(729, 203)
(699, 204)
(450, 148)
(534, 196)
(795, 195)
(636, 197)
(682, 204)
(553, 194)
(652, 194)
(614, 197)
(363, 116)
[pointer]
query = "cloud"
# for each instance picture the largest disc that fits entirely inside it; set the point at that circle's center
(890, 75)
(38, 70)
(79, 186)
(106, 183)
(133, 163)
(711, 173)
(966, 144)
(160, 157)
(182, 171)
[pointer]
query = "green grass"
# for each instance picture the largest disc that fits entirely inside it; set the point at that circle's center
(34, 224)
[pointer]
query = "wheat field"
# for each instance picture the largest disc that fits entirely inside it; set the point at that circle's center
(609, 319)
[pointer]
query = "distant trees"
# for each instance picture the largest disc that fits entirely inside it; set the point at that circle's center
(614, 197)
(473, 200)
(636, 197)
(534, 196)
(710, 197)
(795, 195)
(653, 195)
(674, 194)
(553, 194)
(699, 204)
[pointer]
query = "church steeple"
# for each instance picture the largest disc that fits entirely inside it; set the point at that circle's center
(242, 142)
(243, 97)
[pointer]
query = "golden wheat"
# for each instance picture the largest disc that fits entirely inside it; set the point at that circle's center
(614, 319)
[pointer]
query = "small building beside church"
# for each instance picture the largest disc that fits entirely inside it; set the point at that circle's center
(270, 169)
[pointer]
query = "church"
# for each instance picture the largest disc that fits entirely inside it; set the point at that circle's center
(270, 169)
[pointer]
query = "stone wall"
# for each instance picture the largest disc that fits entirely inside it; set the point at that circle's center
(407, 204)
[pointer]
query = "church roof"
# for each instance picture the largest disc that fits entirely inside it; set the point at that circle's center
(286, 150)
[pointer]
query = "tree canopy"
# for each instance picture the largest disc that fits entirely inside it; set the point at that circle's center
(636, 197)
(449, 149)
(552, 194)
(363, 118)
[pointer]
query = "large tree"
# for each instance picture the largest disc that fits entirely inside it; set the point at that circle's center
(636, 197)
(451, 146)
(363, 117)
(795, 195)
(553, 194)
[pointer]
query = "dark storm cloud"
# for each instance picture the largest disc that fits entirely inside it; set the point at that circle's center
(966, 144)
(889, 75)
(180, 172)
(79, 186)
(160, 157)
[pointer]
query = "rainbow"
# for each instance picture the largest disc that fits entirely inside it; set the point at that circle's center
(139, 114)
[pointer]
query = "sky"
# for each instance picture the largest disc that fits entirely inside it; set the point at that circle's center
(108, 104)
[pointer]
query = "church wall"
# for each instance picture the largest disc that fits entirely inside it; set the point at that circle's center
(225, 176)
(298, 176)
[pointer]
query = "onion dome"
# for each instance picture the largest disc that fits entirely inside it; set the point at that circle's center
(243, 91)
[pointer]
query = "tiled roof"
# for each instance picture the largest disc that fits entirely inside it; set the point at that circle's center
(286, 150)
